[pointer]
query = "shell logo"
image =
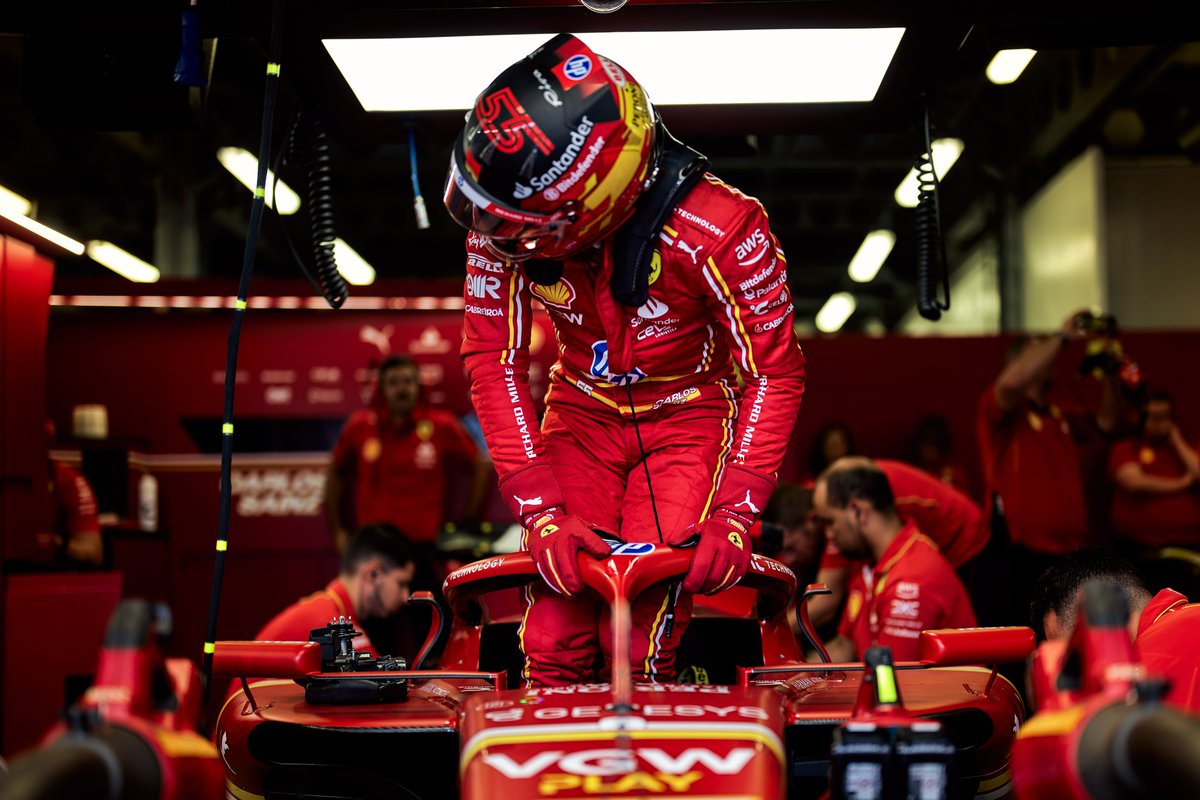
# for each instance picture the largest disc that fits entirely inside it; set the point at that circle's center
(559, 295)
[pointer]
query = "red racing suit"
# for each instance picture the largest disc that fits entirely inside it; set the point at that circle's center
(718, 298)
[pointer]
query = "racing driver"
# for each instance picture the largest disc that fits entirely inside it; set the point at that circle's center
(659, 280)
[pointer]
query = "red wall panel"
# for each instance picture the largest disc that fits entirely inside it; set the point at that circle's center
(25, 280)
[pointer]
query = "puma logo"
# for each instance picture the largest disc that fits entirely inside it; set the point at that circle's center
(381, 338)
(753, 508)
(521, 503)
(693, 253)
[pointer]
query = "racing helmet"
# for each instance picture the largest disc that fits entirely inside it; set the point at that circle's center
(554, 153)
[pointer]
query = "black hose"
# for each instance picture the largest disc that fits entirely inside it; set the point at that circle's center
(1140, 751)
(931, 248)
(74, 771)
(235, 333)
(111, 762)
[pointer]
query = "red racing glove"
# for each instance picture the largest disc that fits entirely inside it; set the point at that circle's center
(555, 542)
(723, 551)
(553, 537)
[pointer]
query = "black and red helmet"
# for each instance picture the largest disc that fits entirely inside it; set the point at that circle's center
(554, 153)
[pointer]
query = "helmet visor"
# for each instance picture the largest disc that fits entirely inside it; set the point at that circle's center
(513, 233)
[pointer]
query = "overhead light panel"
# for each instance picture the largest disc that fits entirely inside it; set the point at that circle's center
(243, 165)
(42, 231)
(1007, 65)
(792, 65)
(945, 153)
(835, 312)
(354, 268)
(119, 261)
(12, 204)
(874, 250)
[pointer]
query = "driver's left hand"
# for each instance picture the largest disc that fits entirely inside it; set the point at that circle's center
(722, 554)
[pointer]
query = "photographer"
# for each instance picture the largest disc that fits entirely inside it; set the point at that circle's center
(1031, 451)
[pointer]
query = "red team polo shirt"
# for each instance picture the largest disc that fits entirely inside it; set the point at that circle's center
(294, 623)
(74, 503)
(400, 473)
(951, 520)
(1150, 518)
(1168, 641)
(912, 588)
(1031, 460)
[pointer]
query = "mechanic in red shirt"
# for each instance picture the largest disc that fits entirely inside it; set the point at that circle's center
(76, 524)
(1156, 497)
(903, 584)
(1165, 627)
(1031, 456)
(951, 520)
(76, 516)
(395, 458)
(656, 309)
(377, 568)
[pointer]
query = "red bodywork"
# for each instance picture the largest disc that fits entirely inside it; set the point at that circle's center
(763, 734)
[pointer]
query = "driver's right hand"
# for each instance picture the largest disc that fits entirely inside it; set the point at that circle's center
(554, 541)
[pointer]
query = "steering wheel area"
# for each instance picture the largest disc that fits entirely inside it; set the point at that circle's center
(627, 572)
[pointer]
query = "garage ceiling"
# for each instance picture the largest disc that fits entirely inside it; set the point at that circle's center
(92, 129)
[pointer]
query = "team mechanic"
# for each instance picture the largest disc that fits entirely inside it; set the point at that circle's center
(658, 278)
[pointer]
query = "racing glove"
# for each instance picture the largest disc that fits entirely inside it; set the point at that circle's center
(723, 544)
(553, 537)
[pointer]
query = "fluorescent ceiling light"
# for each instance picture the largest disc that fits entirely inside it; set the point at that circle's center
(945, 153)
(835, 312)
(793, 65)
(871, 254)
(43, 231)
(124, 264)
(12, 204)
(353, 267)
(243, 165)
(1007, 65)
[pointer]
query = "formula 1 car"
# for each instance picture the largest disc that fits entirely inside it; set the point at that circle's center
(318, 719)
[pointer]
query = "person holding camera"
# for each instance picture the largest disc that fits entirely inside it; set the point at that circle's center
(1031, 451)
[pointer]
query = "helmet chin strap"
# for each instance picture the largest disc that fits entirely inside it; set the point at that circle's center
(543, 271)
(676, 170)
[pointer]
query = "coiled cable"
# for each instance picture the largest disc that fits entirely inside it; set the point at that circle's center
(308, 149)
(931, 248)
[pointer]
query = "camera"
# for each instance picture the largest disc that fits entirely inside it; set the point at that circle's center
(1100, 324)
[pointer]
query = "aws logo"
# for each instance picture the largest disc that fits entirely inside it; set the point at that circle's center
(756, 240)
(560, 295)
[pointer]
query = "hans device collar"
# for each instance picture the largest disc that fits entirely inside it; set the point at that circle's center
(677, 169)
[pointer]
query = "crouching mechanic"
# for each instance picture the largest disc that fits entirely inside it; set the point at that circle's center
(658, 279)
(904, 585)
(377, 569)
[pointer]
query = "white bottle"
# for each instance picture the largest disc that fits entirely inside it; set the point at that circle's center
(148, 502)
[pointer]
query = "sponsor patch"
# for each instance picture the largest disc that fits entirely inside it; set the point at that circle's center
(577, 67)
(560, 295)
